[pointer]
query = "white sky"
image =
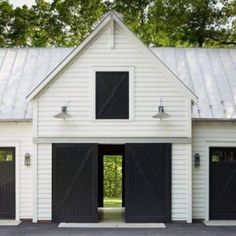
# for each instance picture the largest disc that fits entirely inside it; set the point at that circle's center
(22, 2)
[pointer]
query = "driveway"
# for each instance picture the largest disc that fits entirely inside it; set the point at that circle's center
(197, 229)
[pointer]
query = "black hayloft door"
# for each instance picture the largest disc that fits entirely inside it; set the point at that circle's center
(223, 183)
(148, 183)
(7, 183)
(112, 95)
(74, 182)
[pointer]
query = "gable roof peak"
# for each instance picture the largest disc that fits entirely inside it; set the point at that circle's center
(117, 14)
(106, 18)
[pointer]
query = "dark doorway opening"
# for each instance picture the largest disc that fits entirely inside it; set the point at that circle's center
(111, 181)
(105, 152)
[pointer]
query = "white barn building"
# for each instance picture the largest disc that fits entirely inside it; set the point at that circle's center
(181, 167)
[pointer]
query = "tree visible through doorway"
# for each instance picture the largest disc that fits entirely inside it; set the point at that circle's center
(112, 181)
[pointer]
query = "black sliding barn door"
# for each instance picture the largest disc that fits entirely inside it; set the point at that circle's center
(74, 183)
(223, 183)
(148, 182)
(7, 183)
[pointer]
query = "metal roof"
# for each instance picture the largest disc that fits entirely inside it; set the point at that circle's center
(209, 73)
(21, 69)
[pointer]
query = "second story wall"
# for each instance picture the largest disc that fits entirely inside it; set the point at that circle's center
(75, 88)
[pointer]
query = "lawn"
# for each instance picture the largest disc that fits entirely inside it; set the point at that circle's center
(112, 202)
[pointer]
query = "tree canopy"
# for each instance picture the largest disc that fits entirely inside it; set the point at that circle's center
(176, 23)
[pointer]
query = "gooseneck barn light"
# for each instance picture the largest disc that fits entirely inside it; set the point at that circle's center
(63, 113)
(161, 114)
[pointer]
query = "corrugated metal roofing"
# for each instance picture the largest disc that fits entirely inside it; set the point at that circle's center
(209, 73)
(20, 71)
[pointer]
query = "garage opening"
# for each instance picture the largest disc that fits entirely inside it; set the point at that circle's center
(80, 192)
(111, 183)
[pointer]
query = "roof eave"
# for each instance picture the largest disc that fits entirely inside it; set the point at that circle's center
(214, 119)
(16, 120)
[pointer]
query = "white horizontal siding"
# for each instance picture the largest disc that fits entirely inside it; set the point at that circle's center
(21, 133)
(74, 87)
(44, 203)
(179, 182)
(203, 134)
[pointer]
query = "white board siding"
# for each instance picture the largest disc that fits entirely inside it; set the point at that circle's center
(179, 182)
(74, 87)
(21, 133)
(44, 204)
(204, 134)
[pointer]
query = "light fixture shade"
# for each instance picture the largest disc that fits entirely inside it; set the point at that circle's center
(161, 113)
(63, 113)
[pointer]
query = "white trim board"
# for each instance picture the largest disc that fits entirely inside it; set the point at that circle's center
(208, 145)
(15, 145)
(110, 68)
(112, 140)
(113, 225)
(220, 223)
(9, 222)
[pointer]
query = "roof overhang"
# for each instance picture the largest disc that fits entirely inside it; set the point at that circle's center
(16, 120)
(214, 119)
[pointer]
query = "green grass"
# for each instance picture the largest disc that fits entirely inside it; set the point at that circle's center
(112, 202)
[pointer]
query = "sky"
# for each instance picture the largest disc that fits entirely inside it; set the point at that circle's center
(18, 3)
(21, 2)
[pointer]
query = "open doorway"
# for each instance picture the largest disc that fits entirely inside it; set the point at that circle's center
(111, 199)
(112, 181)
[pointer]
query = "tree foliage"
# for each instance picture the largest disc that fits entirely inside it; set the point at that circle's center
(199, 23)
(112, 176)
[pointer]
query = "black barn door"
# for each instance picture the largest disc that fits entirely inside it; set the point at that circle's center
(148, 183)
(74, 183)
(223, 183)
(7, 183)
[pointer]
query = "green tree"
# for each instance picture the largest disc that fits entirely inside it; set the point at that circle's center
(188, 22)
(202, 23)
(47, 30)
(76, 18)
(20, 27)
(6, 16)
(135, 15)
(113, 177)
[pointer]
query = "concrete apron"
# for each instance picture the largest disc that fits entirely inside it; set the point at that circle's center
(220, 223)
(9, 222)
(111, 218)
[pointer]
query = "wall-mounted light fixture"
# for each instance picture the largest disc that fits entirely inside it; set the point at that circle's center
(27, 159)
(161, 114)
(63, 113)
(197, 160)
